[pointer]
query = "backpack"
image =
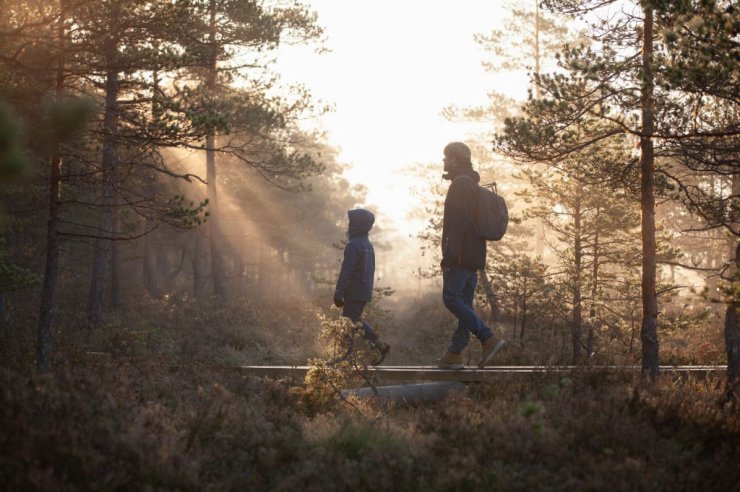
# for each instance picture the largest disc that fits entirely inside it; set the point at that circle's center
(491, 215)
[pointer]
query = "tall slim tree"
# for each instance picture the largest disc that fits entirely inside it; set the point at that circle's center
(53, 56)
(649, 326)
(604, 93)
(30, 26)
(255, 125)
(702, 49)
(122, 44)
(51, 268)
(530, 39)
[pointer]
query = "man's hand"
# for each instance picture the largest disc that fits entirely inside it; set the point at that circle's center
(338, 302)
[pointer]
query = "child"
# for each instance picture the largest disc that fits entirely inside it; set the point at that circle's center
(355, 282)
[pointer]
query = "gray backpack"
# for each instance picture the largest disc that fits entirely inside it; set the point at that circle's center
(491, 215)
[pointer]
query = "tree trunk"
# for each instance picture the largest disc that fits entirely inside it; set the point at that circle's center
(4, 329)
(214, 230)
(594, 288)
(537, 56)
(516, 314)
(149, 259)
(217, 266)
(539, 224)
(200, 275)
(116, 259)
(649, 326)
(577, 260)
(101, 262)
(493, 306)
(732, 332)
(262, 271)
(149, 247)
(732, 314)
(523, 327)
(51, 268)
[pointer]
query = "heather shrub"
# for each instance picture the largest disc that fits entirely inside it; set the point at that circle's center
(345, 362)
(145, 427)
(154, 400)
(136, 425)
(350, 452)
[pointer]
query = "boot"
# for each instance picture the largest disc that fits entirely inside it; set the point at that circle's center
(382, 348)
(451, 361)
(490, 347)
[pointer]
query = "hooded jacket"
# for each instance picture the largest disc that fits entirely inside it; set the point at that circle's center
(358, 267)
(461, 244)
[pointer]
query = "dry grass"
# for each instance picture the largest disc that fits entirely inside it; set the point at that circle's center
(164, 412)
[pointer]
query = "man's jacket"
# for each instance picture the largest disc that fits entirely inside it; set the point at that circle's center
(358, 267)
(461, 244)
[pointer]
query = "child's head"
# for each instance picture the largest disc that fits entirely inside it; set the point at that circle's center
(360, 221)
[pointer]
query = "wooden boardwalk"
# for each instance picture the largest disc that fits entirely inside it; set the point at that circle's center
(470, 373)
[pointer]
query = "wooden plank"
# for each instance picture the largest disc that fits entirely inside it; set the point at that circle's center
(469, 374)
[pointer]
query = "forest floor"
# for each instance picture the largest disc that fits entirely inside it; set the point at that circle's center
(145, 418)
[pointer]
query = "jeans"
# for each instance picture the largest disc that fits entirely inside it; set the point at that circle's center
(353, 310)
(458, 288)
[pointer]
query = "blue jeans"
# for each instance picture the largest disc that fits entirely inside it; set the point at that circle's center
(353, 310)
(458, 288)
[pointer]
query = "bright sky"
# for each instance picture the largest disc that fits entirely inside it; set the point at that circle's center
(393, 66)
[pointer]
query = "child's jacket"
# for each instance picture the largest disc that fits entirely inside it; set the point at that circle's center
(358, 267)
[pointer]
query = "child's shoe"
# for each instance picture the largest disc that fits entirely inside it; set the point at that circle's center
(382, 348)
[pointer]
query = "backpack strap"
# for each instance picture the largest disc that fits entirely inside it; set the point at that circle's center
(477, 191)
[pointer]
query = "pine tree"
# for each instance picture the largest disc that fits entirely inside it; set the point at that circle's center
(256, 126)
(614, 88)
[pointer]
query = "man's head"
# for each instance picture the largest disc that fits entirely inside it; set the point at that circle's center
(456, 154)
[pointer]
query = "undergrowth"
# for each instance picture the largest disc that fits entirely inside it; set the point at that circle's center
(154, 401)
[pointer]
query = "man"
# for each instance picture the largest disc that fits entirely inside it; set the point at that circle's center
(463, 254)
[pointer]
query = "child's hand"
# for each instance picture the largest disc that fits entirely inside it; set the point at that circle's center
(338, 302)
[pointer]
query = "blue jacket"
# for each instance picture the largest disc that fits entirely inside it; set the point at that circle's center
(358, 267)
(461, 244)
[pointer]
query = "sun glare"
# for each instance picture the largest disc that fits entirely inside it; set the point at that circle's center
(389, 87)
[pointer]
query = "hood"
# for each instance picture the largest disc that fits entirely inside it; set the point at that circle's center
(460, 170)
(360, 222)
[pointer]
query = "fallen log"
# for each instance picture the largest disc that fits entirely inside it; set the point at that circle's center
(407, 394)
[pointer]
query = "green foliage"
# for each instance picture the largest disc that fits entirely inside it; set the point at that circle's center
(588, 120)
(522, 286)
(68, 117)
(13, 163)
(12, 159)
(701, 45)
(348, 356)
(12, 276)
(355, 439)
(595, 99)
(529, 40)
(62, 119)
(225, 85)
(185, 214)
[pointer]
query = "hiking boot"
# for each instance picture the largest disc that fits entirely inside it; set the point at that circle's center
(490, 347)
(451, 361)
(383, 349)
